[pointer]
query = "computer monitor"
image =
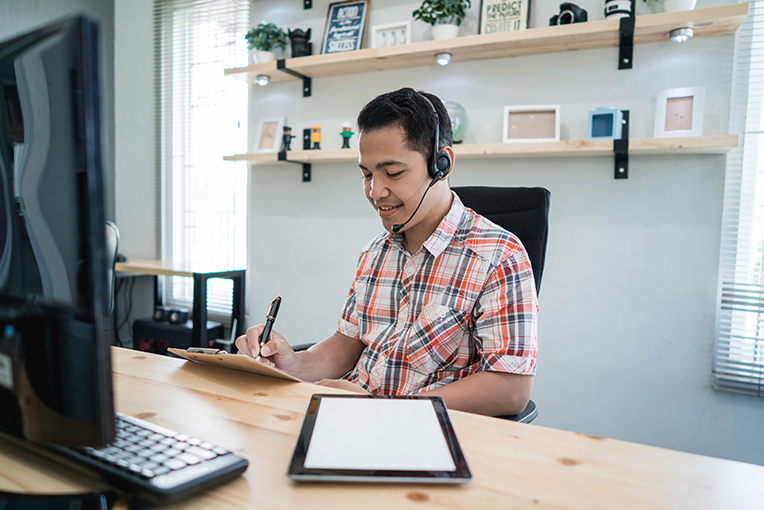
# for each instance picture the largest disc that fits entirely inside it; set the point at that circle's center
(55, 365)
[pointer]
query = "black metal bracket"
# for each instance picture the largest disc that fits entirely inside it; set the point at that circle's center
(307, 83)
(306, 167)
(626, 40)
(621, 149)
(307, 4)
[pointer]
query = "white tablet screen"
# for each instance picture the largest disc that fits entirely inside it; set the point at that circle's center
(380, 434)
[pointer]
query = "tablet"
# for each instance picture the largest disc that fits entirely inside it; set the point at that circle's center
(364, 438)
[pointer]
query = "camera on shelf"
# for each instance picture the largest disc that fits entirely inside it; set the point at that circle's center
(615, 9)
(569, 13)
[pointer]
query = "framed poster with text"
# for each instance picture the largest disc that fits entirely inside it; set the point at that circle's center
(504, 16)
(345, 25)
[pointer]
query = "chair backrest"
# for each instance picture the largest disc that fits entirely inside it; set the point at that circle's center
(522, 211)
(112, 245)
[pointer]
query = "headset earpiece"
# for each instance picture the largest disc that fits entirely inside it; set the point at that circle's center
(440, 164)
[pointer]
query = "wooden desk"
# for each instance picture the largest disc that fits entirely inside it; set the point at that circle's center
(200, 275)
(514, 465)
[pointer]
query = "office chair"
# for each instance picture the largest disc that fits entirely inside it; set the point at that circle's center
(112, 245)
(525, 213)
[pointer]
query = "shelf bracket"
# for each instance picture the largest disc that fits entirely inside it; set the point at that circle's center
(621, 149)
(626, 38)
(307, 4)
(307, 84)
(306, 167)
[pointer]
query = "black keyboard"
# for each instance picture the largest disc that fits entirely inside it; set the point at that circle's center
(158, 464)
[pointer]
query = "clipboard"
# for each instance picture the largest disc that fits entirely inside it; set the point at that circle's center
(239, 362)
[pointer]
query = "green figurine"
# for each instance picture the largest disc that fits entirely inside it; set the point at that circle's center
(347, 132)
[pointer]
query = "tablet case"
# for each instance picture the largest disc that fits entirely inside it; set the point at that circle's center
(235, 362)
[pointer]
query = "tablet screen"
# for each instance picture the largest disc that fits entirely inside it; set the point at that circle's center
(354, 437)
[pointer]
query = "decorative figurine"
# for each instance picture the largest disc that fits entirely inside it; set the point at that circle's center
(315, 137)
(347, 132)
(286, 139)
(301, 45)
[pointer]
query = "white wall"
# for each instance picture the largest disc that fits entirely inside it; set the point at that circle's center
(628, 295)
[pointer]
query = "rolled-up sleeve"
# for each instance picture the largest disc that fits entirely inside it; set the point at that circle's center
(506, 318)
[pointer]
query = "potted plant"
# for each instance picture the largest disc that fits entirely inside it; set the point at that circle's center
(264, 39)
(445, 16)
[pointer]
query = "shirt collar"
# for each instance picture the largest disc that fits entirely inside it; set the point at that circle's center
(443, 235)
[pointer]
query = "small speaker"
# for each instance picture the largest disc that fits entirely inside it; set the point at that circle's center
(178, 316)
(161, 313)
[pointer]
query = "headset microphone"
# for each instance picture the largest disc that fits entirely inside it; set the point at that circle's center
(438, 167)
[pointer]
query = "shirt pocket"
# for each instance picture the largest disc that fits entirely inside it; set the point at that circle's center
(434, 339)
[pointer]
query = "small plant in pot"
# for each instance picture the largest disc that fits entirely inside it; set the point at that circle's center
(445, 16)
(264, 39)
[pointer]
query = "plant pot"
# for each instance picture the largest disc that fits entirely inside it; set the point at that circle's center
(261, 57)
(678, 5)
(443, 31)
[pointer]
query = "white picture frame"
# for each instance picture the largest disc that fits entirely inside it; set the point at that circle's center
(531, 123)
(672, 108)
(391, 34)
(269, 134)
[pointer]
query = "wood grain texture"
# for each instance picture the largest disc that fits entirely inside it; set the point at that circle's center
(514, 465)
(167, 268)
(720, 144)
(709, 22)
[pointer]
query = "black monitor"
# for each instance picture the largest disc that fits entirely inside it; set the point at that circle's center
(55, 365)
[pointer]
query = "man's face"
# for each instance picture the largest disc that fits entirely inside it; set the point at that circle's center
(394, 176)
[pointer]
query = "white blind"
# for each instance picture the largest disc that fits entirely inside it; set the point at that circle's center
(202, 116)
(739, 349)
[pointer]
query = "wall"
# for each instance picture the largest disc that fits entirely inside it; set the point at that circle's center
(19, 16)
(628, 296)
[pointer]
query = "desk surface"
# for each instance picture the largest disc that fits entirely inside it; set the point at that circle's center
(167, 268)
(514, 465)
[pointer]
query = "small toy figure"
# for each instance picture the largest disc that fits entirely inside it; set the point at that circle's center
(286, 139)
(347, 132)
(315, 137)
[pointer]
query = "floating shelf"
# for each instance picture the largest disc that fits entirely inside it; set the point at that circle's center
(569, 148)
(712, 21)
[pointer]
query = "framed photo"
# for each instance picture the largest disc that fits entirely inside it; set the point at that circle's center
(501, 16)
(269, 134)
(393, 34)
(345, 26)
(534, 123)
(679, 112)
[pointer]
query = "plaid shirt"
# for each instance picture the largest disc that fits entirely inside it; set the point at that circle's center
(464, 303)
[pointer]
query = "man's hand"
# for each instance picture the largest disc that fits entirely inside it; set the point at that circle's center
(342, 384)
(276, 353)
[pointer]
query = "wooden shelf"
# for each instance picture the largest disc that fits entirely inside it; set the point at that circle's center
(569, 148)
(712, 21)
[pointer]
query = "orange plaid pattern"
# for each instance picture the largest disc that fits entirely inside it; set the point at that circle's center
(465, 302)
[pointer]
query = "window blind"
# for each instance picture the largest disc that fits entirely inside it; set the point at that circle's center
(739, 347)
(202, 116)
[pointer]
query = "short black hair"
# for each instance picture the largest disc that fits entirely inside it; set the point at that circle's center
(411, 110)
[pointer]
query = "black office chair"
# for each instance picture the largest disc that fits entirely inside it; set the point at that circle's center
(525, 213)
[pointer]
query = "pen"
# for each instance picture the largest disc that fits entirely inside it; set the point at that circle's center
(269, 320)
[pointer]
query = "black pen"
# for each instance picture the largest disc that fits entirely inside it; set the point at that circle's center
(269, 320)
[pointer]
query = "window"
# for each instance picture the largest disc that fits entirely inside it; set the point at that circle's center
(739, 350)
(202, 117)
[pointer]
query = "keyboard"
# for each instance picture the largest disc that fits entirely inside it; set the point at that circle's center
(157, 464)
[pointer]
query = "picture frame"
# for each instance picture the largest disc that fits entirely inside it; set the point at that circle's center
(679, 112)
(345, 26)
(498, 16)
(269, 134)
(531, 123)
(391, 34)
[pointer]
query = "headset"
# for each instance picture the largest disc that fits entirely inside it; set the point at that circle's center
(438, 167)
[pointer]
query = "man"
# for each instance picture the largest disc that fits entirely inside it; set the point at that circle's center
(444, 302)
